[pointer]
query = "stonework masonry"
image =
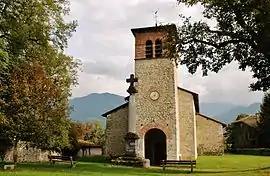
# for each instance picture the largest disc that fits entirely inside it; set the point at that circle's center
(116, 129)
(187, 119)
(156, 75)
(160, 104)
(209, 133)
(28, 154)
(210, 139)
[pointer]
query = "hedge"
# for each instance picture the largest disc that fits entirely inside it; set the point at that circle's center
(252, 151)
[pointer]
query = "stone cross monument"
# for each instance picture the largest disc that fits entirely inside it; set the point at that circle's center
(131, 136)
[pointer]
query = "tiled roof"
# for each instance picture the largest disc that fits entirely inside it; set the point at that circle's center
(251, 120)
(209, 118)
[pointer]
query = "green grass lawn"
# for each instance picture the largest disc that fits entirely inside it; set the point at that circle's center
(206, 166)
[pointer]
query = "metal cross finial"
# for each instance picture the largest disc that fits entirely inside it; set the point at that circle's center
(156, 17)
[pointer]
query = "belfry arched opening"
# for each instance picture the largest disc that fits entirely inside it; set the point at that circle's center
(155, 146)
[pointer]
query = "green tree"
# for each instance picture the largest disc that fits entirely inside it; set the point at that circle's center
(97, 133)
(78, 131)
(264, 123)
(229, 137)
(35, 75)
(35, 108)
(241, 34)
(4, 62)
(30, 28)
(74, 133)
(92, 132)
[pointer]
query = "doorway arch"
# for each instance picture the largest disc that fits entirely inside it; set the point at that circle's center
(155, 148)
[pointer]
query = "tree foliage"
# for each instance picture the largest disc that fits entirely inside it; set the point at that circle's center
(4, 147)
(229, 137)
(98, 133)
(90, 131)
(36, 76)
(35, 107)
(79, 130)
(241, 34)
(25, 23)
(265, 121)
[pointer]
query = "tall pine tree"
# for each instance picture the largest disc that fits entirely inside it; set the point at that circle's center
(265, 121)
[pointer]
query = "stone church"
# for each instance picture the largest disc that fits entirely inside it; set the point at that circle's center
(160, 120)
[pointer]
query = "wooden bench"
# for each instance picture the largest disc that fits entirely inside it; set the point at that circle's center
(54, 159)
(181, 163)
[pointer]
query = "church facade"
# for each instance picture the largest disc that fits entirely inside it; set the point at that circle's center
(165, 117)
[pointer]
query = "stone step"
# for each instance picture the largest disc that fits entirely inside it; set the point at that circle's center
(128, 161)
(129, 158)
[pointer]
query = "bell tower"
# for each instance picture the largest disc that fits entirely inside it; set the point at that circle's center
(157, 99)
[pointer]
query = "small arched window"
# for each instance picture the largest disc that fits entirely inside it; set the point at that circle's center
(149, 49)
(158, 48)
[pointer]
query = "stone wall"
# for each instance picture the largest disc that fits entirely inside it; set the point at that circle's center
(187, 124)
(89, 152)
(116, 129)
(210, 139)
(26, 154)
(156, 75)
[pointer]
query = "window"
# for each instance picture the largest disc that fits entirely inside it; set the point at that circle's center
(158, 48)
(149, 49)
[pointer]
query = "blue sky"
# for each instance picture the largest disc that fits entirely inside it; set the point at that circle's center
(104, 43)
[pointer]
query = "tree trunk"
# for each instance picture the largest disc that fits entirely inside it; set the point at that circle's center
(15, 152)
(2, 157)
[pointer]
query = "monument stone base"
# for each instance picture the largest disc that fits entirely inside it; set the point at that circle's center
(130, 158)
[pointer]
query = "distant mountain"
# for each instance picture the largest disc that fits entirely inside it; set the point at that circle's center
(230, 116)
(90, 107)
(213, 109)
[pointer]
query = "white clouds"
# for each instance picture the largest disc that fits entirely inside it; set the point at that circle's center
(78, 9)
(229, 85)
(99, 83)
(116, 70)
(105, 44)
